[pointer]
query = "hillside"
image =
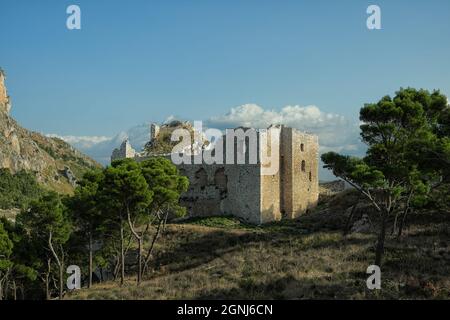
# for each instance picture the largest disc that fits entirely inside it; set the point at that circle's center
(55, 163)
(308, 258)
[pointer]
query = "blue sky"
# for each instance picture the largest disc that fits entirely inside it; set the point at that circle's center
(136, 61)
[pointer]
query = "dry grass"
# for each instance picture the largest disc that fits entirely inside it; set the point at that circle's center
(9, 214)
(304, 259)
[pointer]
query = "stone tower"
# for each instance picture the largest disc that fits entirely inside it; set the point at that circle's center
(294, 189)
(154, 131)
(5, 105)
(125, 151)
(299, 170)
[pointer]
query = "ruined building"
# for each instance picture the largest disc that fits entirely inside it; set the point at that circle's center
(124, 151)
(248, 190)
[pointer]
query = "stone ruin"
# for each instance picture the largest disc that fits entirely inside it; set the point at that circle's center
(242, 190)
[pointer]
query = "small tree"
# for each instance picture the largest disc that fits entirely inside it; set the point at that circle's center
(49, 227)
(167, 185)
(87, 213)
(128, 194)
(22, 273)
(6, 247)
(396, 167)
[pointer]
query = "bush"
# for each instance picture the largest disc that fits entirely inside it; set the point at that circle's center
(17, 190)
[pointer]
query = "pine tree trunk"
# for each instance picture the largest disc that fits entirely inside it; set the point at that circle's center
(381, 239)
(47, 287)
(14, 291)
(22, 292)
(139, 240)
(61, 281)
(402, 224)
(405, 213)
(90, 261)
(47, 280)
(139, 278)
(122, 256)
(150, 250)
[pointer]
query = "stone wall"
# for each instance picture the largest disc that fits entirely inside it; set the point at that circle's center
(305, 183)
(125, 151)
(246, 191)
(223, 190)
(154, 131)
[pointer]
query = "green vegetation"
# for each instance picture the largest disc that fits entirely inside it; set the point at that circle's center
(110, 208)
(18, 190)
(227, 222)
(308, 258)
(47, 226)
(6, 247)
(408, 139)
(118, 223)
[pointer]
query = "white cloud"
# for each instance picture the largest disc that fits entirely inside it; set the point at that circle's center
(101, 147)
(334, 131)
(85, 141)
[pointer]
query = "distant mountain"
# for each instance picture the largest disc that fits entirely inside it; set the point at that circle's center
(55, 163)
(100, 148)
(335, 132)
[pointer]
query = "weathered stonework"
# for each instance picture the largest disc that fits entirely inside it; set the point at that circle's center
(125, 151)
(154, 131)
(246, 190)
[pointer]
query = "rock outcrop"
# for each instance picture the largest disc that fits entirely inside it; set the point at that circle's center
(51, 159)
(5, 105)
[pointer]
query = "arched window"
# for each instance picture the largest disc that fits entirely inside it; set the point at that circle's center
(303, 165)
(310, 176)
(302, 147)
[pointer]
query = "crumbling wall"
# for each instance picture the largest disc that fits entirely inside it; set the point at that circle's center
(125, 151)
(222, 190)
(244, 191)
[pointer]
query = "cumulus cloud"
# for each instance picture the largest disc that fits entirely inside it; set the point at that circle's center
(335, 131)
(100, 147)
(84, 141)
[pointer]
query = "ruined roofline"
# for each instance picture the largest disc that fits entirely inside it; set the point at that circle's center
(245, 128)
(280, 126)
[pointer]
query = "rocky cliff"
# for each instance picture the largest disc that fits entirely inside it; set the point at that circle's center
(55, 163)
